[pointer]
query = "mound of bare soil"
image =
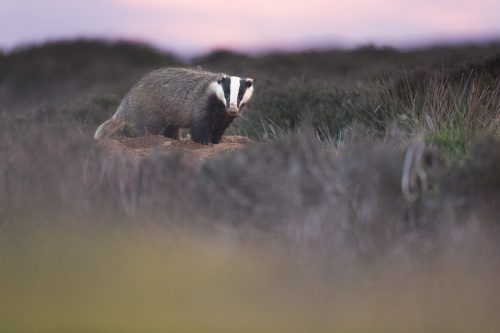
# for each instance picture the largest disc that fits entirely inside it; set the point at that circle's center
(143, 146)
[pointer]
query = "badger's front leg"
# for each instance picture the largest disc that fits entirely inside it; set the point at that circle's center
(201, 131)
(221, 124)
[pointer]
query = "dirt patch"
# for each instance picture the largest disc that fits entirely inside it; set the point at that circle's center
(143, 146)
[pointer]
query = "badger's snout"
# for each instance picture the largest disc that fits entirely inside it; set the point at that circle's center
(233, 110)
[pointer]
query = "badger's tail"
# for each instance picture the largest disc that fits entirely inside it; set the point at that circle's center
(110, 128)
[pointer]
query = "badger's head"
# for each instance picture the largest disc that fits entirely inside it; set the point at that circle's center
(232, 91)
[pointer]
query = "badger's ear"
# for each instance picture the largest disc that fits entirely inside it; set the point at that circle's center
(222, 78)
(248, 82)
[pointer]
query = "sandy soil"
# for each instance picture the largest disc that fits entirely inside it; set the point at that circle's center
(141, 147)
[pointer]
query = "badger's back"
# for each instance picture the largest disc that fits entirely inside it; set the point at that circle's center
(174, 95)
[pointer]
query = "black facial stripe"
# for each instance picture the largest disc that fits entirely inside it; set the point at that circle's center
(226, 86)
(241, 92)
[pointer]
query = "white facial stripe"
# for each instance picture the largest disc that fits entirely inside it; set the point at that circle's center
(216, 89)
(246, 97)
(233, 90)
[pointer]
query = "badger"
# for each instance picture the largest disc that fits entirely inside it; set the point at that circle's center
(168, 99)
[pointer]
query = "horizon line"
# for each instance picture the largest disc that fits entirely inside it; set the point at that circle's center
(262, 50)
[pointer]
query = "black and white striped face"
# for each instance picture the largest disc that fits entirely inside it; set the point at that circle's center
(234, 92)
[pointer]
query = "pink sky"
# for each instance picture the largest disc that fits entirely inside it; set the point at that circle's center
(194, 26)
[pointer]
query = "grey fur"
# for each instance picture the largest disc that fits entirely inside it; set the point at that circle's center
(166, 100)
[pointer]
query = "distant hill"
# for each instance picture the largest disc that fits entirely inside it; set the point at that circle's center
(61, 68)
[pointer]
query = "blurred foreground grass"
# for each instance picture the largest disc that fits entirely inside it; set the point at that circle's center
(190, 282)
